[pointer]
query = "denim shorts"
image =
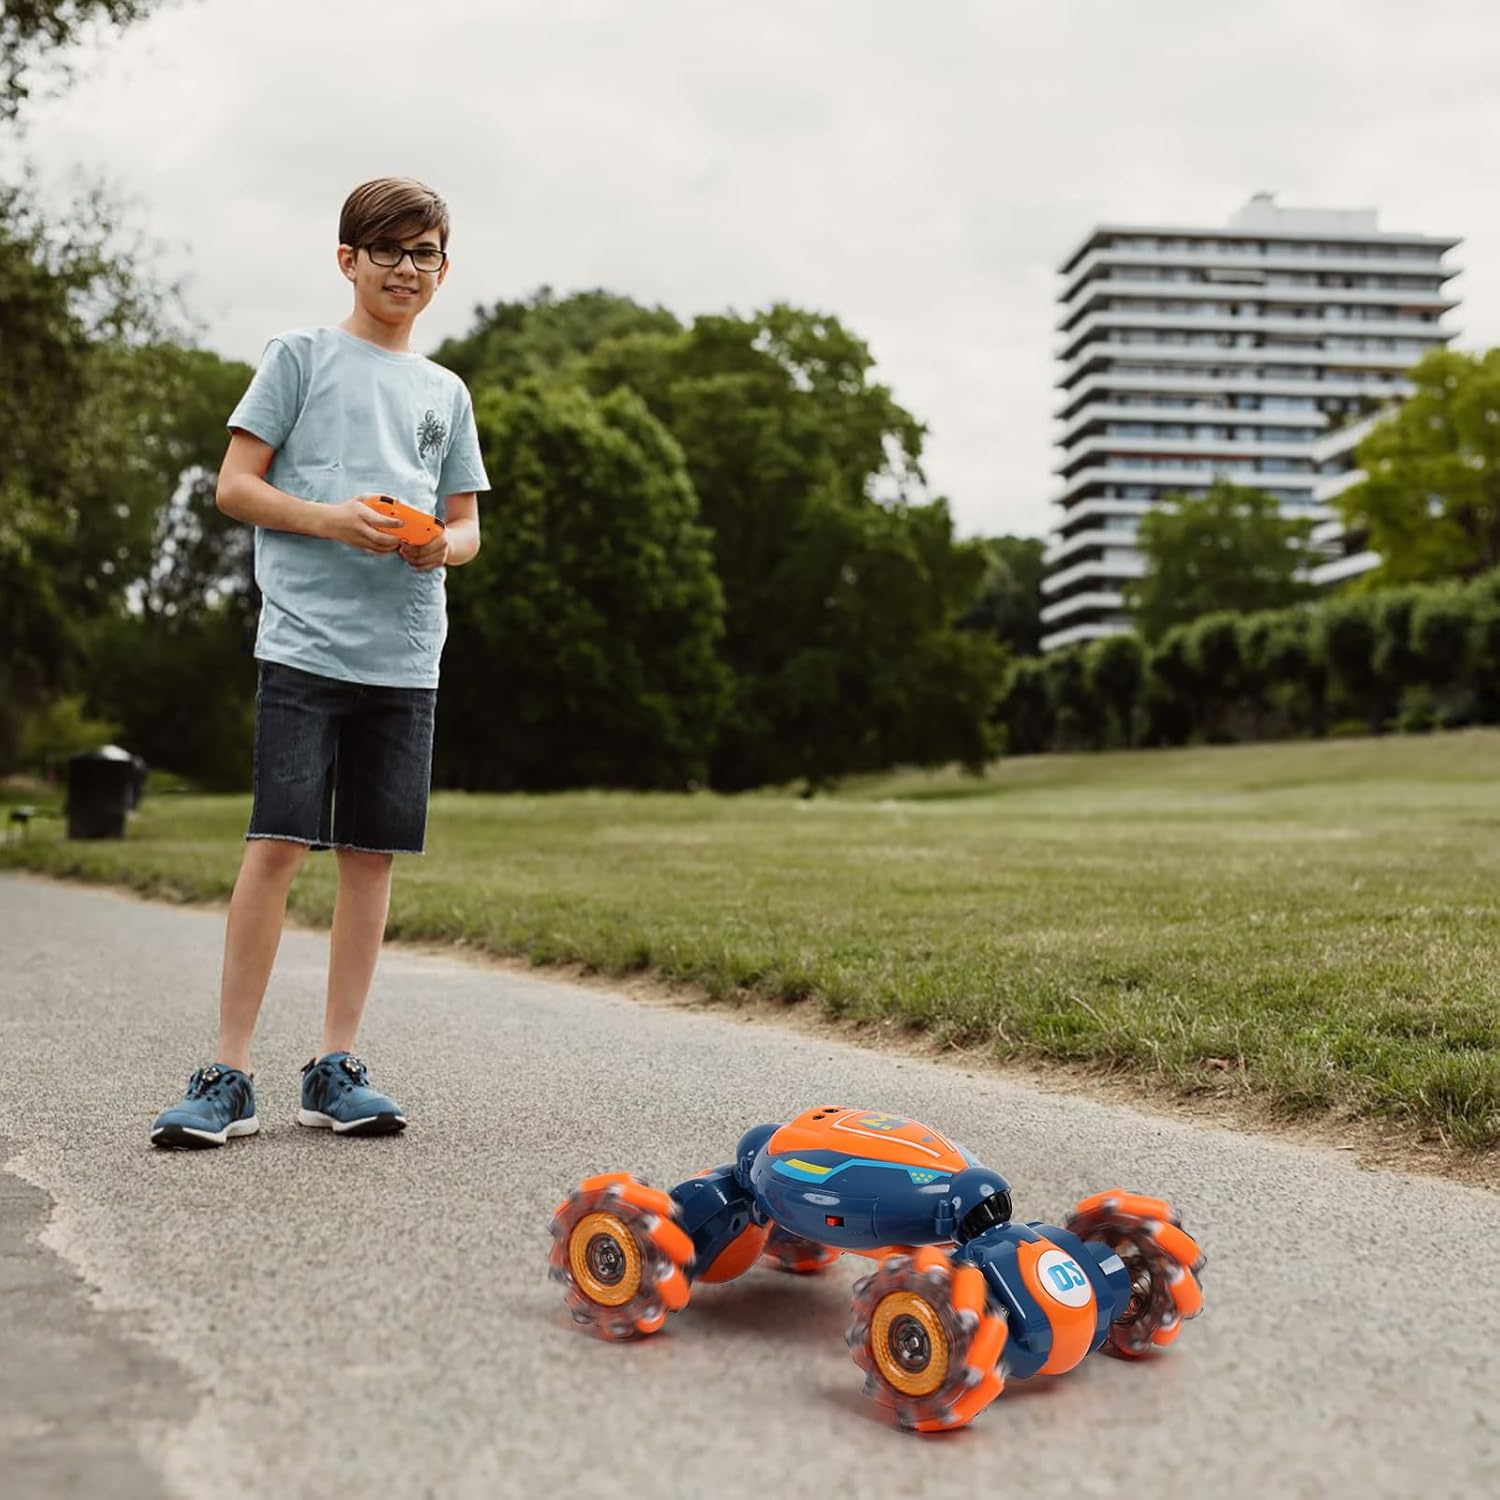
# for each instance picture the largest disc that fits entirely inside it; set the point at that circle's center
(341, 765)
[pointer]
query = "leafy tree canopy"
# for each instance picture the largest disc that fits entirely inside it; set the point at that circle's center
(583, 635)
(1430, 502)
(545, 336)
(1231, 549)
(34, 32)
(1009, 601)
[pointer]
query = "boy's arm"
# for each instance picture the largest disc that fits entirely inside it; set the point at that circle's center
(456, 543)
(462, 512)
(244, 494)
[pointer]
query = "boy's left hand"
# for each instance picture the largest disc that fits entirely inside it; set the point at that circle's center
(429, 555)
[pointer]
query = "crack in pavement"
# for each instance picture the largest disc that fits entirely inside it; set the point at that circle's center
(81, 1399)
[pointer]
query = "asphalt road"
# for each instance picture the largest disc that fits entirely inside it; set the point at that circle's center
(299, 1315)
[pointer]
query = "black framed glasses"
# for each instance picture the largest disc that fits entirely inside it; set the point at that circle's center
(424, 258)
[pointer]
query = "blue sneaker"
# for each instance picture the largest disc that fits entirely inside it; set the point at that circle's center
(219, 1103)
(336, 1096)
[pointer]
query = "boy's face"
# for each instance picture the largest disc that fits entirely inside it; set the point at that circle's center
(394, 294)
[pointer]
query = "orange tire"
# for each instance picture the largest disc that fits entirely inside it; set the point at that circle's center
(620, 1255)
(1163, 1260)
(929, 1339)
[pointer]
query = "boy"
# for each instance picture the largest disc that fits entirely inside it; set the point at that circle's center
(351, 628)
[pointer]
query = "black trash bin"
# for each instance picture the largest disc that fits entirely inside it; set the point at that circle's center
(138, 770)
(100, 784)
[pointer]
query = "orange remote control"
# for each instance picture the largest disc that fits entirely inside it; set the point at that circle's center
(416, 526)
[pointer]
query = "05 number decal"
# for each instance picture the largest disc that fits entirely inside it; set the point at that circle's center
(1063, 1280)
(1066, 1276)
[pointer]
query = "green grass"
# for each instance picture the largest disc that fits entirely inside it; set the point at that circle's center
(1322, 918)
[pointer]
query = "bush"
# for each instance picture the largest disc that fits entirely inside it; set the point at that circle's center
(1079, 717)
(1024, 709)
(1214, 651)
(1115, 668)
(1394, 659)
(1348, 636)
(1418, 712)
(50, 734)
(1170, 696)
(1442, 630)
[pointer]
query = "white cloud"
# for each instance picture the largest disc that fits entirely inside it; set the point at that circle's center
(917, 170)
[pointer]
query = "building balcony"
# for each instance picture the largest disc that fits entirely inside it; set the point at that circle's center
(1204, 449)
(1228, 291)
(1227, 323)
(1171, 480)
(1341, 569)
(1386, 363)
(1064, 547)
(1209, 389)
(1075, 274)
(1116, 566)
(1070, 518)
(1093, 630)
(1330, 487)
(1097, 413)
(1346, 438)
(1098, 599)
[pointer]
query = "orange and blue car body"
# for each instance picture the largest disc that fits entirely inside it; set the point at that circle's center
(962, 1297)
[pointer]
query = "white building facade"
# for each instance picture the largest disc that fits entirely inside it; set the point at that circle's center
(1242, 353)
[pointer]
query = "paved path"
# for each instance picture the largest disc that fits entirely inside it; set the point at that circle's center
(294, 1313)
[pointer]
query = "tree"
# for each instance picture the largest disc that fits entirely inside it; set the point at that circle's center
(1231, 549)
(1115, 667)
(1009, 601)
(171, 660)
(1078, 714)
(1396, 662)
(1442, 635)
(1483, 599)
(1294, 663)
(199, 557)
(878, 674)
(72, 310)
(1214, 650)
(1430, 499)
(1348, 636)
(841, 591)
(841, 588)
(587, 625)
(1170, 697)
(1257, 638)
(1024, 708)
(32, 32)
(546, 337)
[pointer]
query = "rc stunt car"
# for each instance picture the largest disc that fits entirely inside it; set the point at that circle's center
(961, 1299)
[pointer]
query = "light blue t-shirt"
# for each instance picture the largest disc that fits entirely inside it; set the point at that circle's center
(349, 418)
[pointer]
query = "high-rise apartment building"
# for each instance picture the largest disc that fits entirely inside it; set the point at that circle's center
(1189, 355)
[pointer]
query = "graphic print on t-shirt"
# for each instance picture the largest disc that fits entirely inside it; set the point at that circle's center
(430, 433)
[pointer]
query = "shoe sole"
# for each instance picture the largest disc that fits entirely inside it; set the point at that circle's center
(369, 1125)
(185, 1138)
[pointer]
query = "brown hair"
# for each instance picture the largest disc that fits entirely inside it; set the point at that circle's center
(392, 208)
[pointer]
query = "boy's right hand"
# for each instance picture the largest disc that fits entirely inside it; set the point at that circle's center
(357, 525)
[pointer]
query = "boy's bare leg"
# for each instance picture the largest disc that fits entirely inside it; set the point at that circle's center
(359, 913)
(257, 911)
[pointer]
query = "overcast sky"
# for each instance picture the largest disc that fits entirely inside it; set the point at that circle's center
(917, 168)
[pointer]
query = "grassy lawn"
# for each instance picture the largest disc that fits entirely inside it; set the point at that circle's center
(1314, 925)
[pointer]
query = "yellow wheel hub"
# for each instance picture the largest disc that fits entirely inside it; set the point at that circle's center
(604, 1259)
(909, 1345)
